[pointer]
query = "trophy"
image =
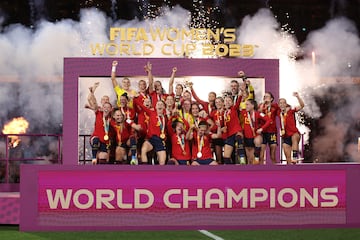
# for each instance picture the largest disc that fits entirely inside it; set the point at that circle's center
(242, 75)
(188, 83)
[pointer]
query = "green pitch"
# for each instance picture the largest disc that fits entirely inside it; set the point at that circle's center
(12, 233)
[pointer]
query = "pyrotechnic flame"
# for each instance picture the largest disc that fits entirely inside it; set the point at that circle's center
(15, 126)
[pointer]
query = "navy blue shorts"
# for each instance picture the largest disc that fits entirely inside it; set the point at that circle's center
(269, 138)
(218, 142)
(157, 143)
(104, 147)
(183, 162)
(287, 140)
(249, 142)
(204, 161)
(231, 140)
(100, 146)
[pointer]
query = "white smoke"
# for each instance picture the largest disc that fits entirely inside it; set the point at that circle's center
(337, 46)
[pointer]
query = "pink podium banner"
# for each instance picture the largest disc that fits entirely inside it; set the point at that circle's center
(189, 198)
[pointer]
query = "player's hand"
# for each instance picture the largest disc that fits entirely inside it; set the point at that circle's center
(115, 63)
(295, 94)
(203, 114)
(174, 70)
(240, 134)
(148, 67)
(259, 131)
(241, 73)
(217, 122)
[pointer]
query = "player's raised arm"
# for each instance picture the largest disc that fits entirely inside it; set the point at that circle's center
(171, 82)
(113, 73)
(148, 69)
(92, 102)
(300, 100)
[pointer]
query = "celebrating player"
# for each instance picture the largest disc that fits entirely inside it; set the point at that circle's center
(201, 147)
(156, 135)
(232, 126)
(217, 115)
(122, 134)
(180, 146)
(289, 132)
(252, 131)
(270, 109)
(124, 88)
(100, 138)
(207, 106)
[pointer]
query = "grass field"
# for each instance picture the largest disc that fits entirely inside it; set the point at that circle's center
(12, 233)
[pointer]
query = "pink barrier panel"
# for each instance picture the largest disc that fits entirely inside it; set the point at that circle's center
(9, 208)
(149, 197)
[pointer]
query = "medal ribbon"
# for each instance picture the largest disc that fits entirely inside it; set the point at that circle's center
(252, 122)
(106, 125)
(269, 110)
(162, 123)
(143, 96)
(200, 142)
(196, 122)
(118, 133)
(126, 114)
(226, 113)
(181, 141)
(283, 120)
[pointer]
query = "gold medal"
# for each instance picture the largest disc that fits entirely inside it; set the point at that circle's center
(128, 121)
(199, 155)
(106, 137)
(162, 135)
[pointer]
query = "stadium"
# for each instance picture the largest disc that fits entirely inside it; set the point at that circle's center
(50, 65)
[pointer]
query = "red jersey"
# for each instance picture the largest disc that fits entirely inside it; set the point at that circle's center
(180, 147)
(155, 97)
(157, 124)
(252, 122)
(142, 97)
(231, 121)
(217, 115)
(129, 113)
(288, 120)
(143, 121)
(122, 132)
(102, 125)
(271, 111)
(203, 145)
(205, 105)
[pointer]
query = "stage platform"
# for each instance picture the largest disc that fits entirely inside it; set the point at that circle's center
(9, 207)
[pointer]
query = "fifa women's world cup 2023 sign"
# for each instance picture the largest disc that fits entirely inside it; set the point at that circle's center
(219, 42)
